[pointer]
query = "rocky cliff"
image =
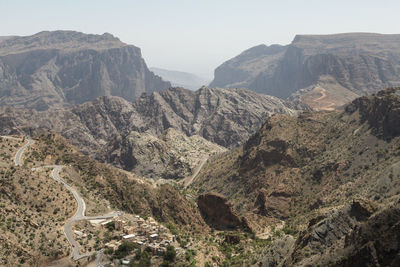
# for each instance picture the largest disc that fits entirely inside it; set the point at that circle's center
(240, 71)
(65, 67)
(324, 71)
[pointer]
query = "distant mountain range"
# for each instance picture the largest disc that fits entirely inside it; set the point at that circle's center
(324, 71)
(65, 67)
(181, 79)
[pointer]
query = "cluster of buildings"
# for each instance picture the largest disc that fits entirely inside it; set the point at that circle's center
(146, 233)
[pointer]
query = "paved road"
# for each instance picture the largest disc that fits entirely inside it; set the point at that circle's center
(21, 150)
(80, 212)
(18, 156)
(78, 216)
(187, 182)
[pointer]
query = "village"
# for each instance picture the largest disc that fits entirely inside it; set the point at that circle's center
(144, 233)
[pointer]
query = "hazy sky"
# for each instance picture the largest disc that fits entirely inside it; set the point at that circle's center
(197, 36)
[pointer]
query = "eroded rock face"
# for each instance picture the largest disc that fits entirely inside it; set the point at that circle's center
(362, 208)
(327, 71)
(102, 127)
(342, 238)
(241, 71)
(173, 155)
(275, 204)
(65, 67)
(225, 117)
(382, 111)
(219, 214)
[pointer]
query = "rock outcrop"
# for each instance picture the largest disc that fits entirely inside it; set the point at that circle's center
(65, 67)
(382, 111)
(173, 155)
(342, 239)
(219, 213)
(324, 71)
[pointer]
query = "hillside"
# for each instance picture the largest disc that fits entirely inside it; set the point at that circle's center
(323, 71)
(98, 128)
(67, 68)
(180, 78)
(31, 217)
(327, 176)
(36, 209)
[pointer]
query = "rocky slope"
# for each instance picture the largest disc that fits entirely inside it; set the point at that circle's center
(101, 127)
(34, 207)
(171, 156)
(314, 173)
(324, 71)
(65, 67)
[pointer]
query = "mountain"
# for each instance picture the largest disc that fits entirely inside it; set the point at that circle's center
(68, 68)
(324, 71)
(181, 79)
(327, 179)
(105, 127)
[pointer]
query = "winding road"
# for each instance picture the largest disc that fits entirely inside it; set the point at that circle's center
(20, 152)
(80, 212)
(189, 180)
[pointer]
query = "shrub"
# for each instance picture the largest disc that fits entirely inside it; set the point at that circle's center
(170, 255)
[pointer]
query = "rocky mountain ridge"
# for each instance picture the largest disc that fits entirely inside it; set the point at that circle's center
(64, 68)
(324, 71)
(102, 128)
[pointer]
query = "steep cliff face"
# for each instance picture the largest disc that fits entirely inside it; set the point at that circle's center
(326, 71)
(64, 67)
(240, 71)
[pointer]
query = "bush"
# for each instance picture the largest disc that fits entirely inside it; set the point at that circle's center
(145, 259)
(289, 231)
(108, 251)
(124, 249)
(110, 226)
(170, 255)
(172, 228)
